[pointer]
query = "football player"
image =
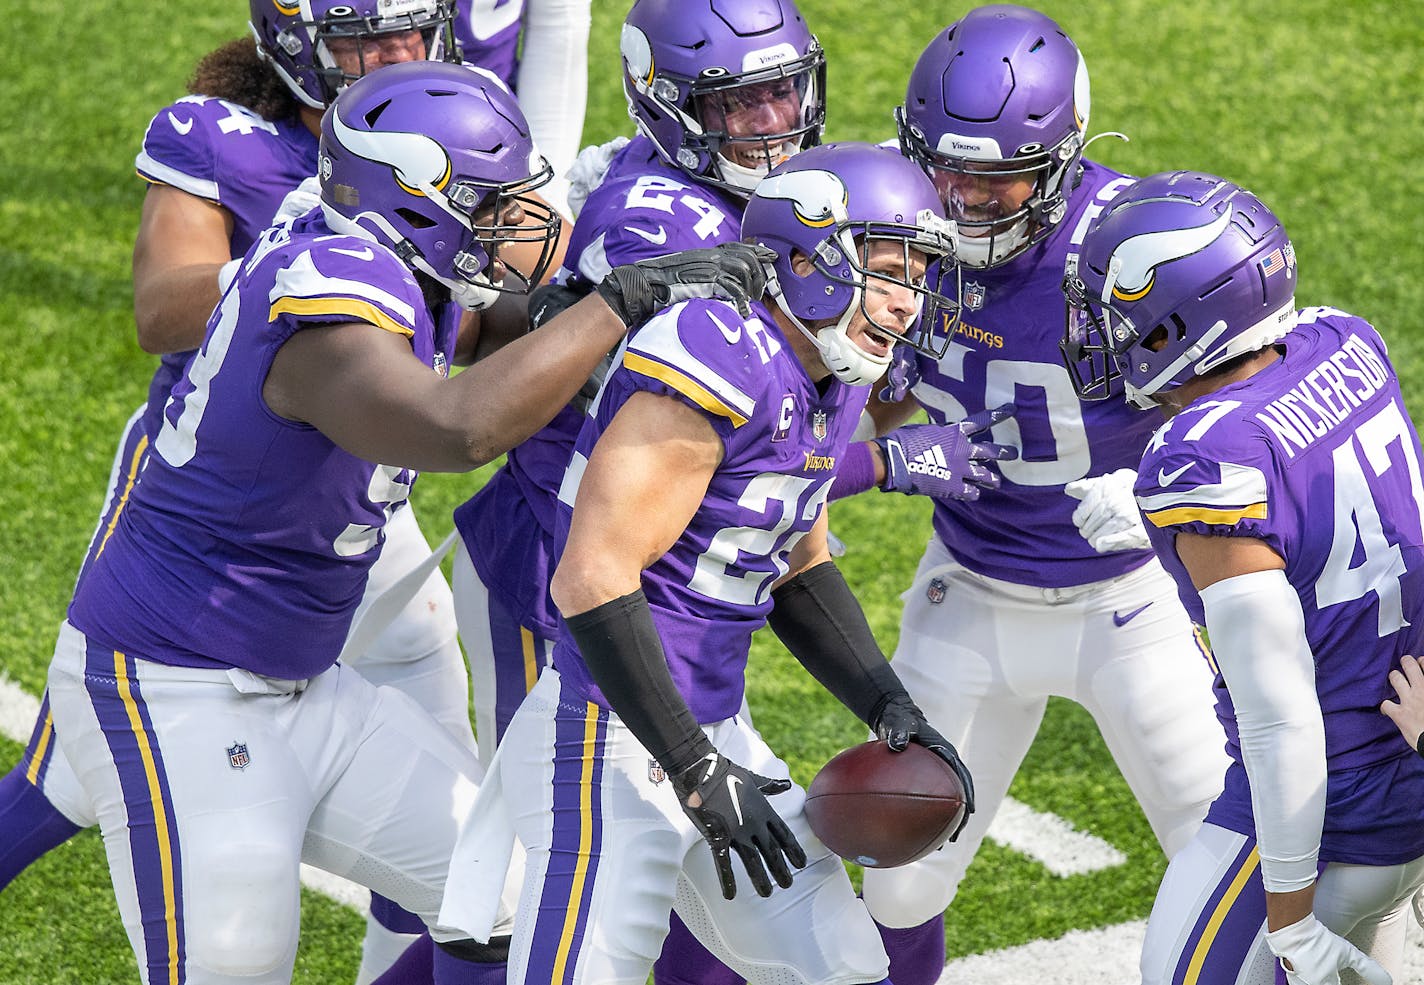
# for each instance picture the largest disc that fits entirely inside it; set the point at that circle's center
(1284, 494)
(195, 685)
(218, 164)
(1023, 593)
(639, 760)
(720, 94)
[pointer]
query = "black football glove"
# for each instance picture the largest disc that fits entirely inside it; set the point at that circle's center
(734, 271)
(900, 722)
(733, 814)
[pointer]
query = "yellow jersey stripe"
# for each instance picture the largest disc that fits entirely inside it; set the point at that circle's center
(1218, 916)
(46, 734)
(129, 481)
(531, 664)
(1206, 514)
(352, 307)
(571, 912)
(684, 385)
(160, 814)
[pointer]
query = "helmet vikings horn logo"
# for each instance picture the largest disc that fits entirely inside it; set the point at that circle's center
(1136, 259)
(417, 160)
(817, 197)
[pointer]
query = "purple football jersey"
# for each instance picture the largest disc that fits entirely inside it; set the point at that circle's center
(782, 438)
(227, 154)
(1316, 456)
(248, 542)
(647, 210)
(1006, 350)
(488, 33)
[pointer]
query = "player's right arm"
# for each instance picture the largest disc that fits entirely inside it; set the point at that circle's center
(182, 243)
(642, 485)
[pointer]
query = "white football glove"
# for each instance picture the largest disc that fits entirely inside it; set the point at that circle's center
(299, 201)
(1419, 907)
(588, 170)
(1316, 955)
(1108, 517)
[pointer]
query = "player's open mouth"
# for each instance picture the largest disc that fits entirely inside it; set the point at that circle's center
(880, 340)
(757, 156)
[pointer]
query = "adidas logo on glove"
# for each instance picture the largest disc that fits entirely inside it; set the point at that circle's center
(931, 462)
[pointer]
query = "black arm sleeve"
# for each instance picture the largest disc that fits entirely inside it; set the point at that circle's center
(621, 647)
(820, 621)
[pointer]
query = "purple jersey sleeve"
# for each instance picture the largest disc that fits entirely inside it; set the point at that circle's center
(782, 438)
(1006, 350)
(647, 212)
(1316, 457)
(248, 541)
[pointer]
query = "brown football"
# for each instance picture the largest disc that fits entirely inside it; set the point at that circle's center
(882, 809)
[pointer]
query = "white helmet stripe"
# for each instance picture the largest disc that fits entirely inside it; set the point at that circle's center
(418, 160)
(1137, 257)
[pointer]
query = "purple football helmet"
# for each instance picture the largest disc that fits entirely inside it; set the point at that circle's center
(1185, 272)
(295, 37)
(434, 160)
(725, 89)
(831, 205)
(995, 113)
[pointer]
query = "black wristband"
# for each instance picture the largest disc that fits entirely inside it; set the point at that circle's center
(621, 647)
(1419, 744)
(820, 621)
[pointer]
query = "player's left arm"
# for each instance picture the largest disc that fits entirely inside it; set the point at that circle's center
(820, 621)
(1257, 629)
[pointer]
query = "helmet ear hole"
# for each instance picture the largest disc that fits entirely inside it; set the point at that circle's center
(416, 219)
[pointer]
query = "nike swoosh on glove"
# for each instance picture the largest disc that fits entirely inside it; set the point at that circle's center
(900, 722)
(1312, 955)
(733, 815)
(733, 271)
(944, 460)
(1108, 517)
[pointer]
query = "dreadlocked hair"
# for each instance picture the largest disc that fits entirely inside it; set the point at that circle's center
(237, 73)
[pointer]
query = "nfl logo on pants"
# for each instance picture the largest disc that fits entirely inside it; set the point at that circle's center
(237, 756)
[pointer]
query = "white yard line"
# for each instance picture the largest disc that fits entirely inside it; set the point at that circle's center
(1051, 841)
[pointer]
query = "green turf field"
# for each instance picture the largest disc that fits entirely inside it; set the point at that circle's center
(1306, 102)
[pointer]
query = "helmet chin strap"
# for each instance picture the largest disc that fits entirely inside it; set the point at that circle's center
(847, 361)
(470, 296)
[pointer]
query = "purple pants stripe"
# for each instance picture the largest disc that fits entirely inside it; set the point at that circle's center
(574, 850)
(41, 748)
(153, 830)
(1227, 925)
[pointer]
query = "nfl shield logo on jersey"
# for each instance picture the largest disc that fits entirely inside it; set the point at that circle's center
(818, 425)
(656, 773)
(237, 756)
(935, 593)
(973, 296)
